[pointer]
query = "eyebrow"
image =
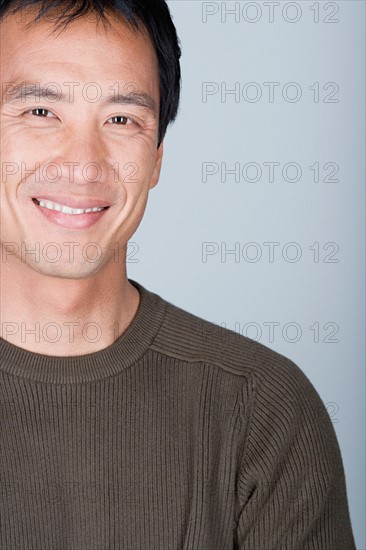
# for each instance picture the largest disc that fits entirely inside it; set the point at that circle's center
(20, 92)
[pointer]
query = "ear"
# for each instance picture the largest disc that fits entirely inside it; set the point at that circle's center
(157, 169)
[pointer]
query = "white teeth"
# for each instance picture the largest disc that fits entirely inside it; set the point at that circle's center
(66, 209)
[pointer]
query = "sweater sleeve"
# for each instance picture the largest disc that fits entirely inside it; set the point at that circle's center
(291, 491)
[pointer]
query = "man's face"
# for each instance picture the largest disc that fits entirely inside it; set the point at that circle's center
(81, 151)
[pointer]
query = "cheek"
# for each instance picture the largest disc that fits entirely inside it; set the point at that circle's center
(21, 154)
(18, 146)
(135, 161)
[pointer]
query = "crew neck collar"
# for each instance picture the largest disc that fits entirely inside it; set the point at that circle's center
(124, 351)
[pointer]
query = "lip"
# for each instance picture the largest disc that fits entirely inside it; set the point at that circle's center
(70, 221)
(75, 202)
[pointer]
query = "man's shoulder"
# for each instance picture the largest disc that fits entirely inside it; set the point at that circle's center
(193, 339)
(283, 391)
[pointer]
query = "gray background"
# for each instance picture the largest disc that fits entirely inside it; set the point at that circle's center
(313, 298)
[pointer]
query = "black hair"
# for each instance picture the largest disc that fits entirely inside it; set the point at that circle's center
(154, 15)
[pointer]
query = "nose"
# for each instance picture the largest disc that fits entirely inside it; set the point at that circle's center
(81, 159)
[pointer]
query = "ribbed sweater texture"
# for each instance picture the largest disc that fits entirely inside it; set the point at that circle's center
(181, 435)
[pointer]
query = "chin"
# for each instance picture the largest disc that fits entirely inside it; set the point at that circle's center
(75, 270)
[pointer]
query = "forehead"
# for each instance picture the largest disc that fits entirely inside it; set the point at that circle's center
(85, 50)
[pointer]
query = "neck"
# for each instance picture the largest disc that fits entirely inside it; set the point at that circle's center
(65, 317)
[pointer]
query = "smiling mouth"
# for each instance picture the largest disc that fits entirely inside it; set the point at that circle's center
(50, 205)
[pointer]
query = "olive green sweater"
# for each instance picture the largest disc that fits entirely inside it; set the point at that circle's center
(181, 435)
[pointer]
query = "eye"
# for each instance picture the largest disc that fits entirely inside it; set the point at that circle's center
(121, 120)
(40, 112)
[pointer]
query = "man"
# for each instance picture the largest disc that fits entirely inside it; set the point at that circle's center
(127, 422)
